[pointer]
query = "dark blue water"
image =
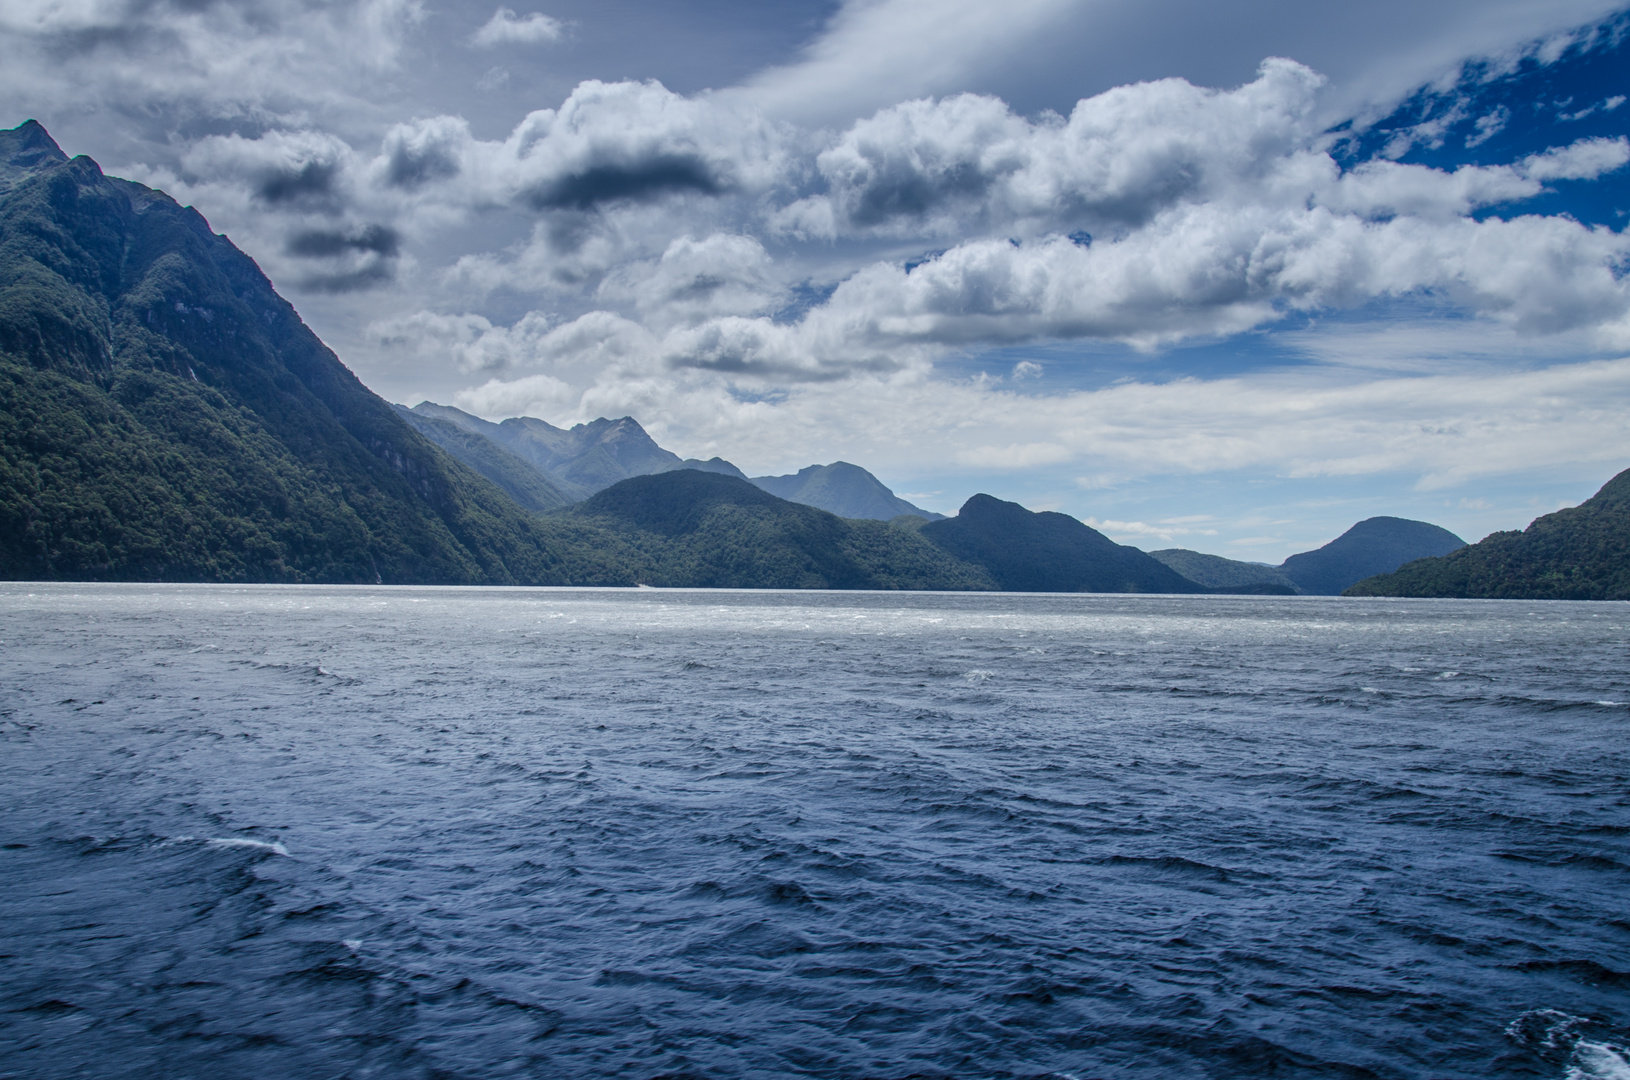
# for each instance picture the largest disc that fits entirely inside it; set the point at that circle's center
(304, 832)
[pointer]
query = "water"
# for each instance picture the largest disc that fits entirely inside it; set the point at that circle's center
(310, 832)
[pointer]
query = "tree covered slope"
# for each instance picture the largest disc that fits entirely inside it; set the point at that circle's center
(1582, 553)
(1048, 552)
(1376, 545)
(165, 415)
(1220, 574)
(706, 529)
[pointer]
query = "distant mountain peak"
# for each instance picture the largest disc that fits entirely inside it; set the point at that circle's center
(579, 460)
(1377, 545)
(843, 489)
(26, 147)
(1026, 551)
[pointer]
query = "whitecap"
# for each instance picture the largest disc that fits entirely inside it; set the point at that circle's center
(241, 842)
(1550, 1029)
(1598, 1061)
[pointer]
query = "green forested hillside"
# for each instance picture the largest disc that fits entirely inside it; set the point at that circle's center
(165, 415)
(711, 530)
(1220, 574)
(1048, 552)
(1582, 553)
(1376, 545)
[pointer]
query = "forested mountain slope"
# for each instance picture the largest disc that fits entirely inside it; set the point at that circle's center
(707, 529)
(1048, 552)
(1376, 545)
(1582, 553)
(165, 415)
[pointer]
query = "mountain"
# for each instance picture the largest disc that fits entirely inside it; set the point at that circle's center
(1377, 545)
(1048, 552)
(713, 465)
(165, 415)
(710, 530)
(591, 457)
(530, 487)
(843, 489)
(1582, 553)
(1219, 574)
(580, 460)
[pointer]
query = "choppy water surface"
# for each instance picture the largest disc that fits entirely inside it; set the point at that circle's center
(291, 832)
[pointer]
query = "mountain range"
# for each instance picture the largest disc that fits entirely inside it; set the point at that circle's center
(587, 458)
(1376, 545)
(166, 416)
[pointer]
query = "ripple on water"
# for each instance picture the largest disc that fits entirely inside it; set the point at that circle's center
(567, 833)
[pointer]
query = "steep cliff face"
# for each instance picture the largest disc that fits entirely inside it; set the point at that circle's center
(165, 415)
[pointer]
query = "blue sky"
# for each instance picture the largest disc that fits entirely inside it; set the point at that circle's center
(1230, 286)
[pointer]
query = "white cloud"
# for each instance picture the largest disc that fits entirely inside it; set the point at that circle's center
(1153, 213)
(1040, 52)
(469, 341)
(1443, 430)
(939, 168)
(693, 280)
(529, 396)
(1584, 160)
(1126, 532)
(1488, 126)
(884, 51)
(256, 59)
(505, 28)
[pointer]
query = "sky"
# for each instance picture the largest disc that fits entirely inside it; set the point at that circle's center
(1223, 277)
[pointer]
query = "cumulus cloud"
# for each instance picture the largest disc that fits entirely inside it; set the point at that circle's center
(1152, 214)
(1443, 430)
(470, 342)
(505, 27)
(695, 279)
(1165, 211)
(302, 169)
(608, 145)
(248, 59)
(417, 153)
